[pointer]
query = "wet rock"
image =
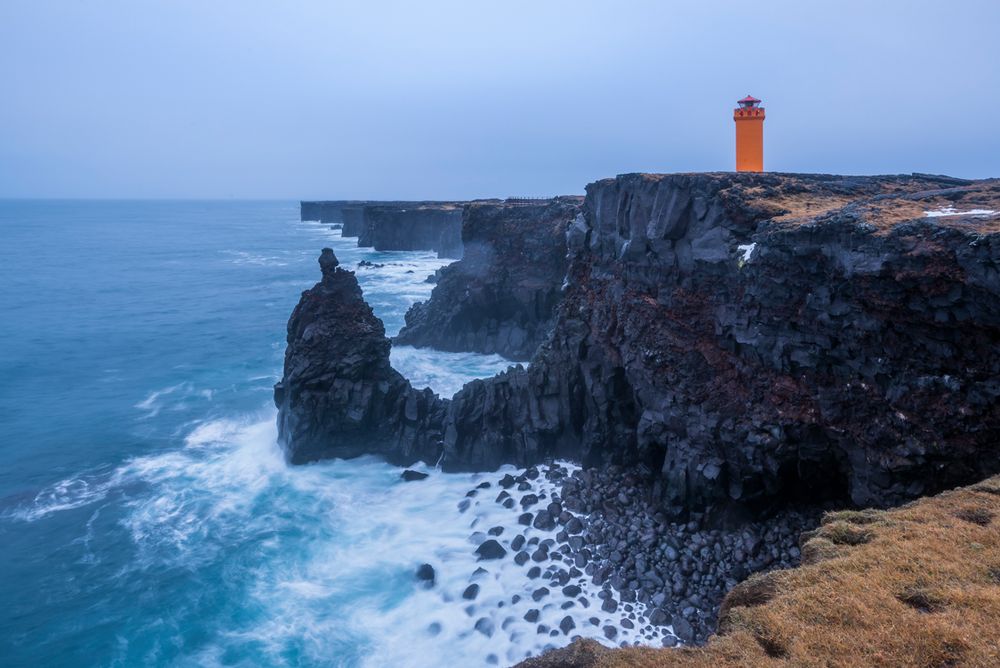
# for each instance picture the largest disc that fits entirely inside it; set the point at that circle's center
(566, 625)
(425, 573)
(543, 521)
(571, 591)
(410, 476)
(683, 630)
(485, 626)
(471, 592)
(659, 618)
(491, 550)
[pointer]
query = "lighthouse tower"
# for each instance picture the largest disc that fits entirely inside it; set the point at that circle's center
(749, 117)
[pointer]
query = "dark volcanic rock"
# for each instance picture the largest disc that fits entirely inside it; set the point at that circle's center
(567, 624)
(501, 297)
(491, 550)
(433, 226)
(751, 339)
(354, 221)
(339, 396)
(425, 573)
(394, 225)
(412, 476)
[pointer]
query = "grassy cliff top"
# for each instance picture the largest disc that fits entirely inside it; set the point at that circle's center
(915, 586)
(882, 201)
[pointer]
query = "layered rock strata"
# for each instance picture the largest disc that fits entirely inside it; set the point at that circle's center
(501, 297)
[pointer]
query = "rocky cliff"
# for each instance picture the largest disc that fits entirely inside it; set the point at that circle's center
(425, 226)
(394, 224)
(750, 338)
(324, 212)
(339, 396)
(353, 218)
(501, 297)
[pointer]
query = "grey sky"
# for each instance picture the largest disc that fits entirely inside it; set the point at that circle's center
(309, 99)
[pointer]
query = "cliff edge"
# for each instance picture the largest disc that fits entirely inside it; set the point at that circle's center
(501, 297)
(752, 339)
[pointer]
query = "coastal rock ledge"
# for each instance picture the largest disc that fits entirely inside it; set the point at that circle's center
(750, 340)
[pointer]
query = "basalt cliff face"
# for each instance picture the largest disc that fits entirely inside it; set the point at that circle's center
(394, 225)
(436, 227)
(747, 338)
(501, 297)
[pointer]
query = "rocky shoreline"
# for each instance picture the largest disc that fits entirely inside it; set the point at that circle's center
(729, 355)
(680, 571)
(912, 586)
(597, 560)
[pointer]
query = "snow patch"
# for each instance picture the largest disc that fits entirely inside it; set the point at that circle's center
(952, 211)
(747, 251)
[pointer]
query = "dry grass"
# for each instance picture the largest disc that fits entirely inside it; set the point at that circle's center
(894, 203)
(915, 586)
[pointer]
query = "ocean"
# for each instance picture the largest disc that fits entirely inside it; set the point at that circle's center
(147, 515)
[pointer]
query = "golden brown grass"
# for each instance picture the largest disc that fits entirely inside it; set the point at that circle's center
(916, 586)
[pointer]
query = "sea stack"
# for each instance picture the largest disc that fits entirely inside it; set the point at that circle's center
(339, 396)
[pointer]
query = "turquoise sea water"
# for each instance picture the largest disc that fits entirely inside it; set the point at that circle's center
(146, 515)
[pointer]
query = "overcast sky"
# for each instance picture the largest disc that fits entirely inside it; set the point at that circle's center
(311, 99)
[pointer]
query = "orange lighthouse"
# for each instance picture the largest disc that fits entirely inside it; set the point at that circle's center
(749, 117)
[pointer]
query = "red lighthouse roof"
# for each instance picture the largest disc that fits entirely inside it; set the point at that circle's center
(748, 98)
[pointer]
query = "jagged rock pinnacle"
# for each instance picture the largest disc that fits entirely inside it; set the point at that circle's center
(328, 262)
